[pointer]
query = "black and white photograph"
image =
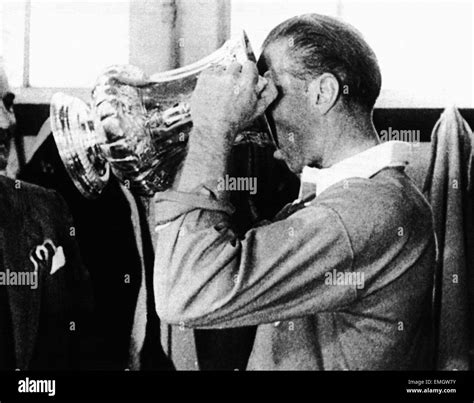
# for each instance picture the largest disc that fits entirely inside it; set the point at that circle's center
(236, 199)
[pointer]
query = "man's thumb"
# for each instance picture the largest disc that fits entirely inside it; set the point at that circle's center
(266, 97)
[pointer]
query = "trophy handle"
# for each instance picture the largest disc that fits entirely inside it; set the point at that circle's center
(78, 142)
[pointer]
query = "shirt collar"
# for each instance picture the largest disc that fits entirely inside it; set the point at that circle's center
(362, 165)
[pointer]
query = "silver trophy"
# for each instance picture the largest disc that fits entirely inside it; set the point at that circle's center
(144, 144)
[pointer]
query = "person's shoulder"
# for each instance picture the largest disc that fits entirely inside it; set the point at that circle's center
(18, 192)
(371, 209)
(390, 192)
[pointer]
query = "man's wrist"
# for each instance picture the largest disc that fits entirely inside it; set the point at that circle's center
(207, 158)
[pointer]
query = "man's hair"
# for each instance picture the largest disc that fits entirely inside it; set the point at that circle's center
(320, 44)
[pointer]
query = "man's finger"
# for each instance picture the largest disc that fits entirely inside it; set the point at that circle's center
(112, 127)
(262, 83)
(105, 110)
(267, 96)
(234, 68)
(250, 72)
(270, 93)
(213, 69)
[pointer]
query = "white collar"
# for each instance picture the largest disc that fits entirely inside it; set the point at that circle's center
(362, 165)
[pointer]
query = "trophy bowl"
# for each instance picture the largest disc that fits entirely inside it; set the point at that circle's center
(137, 127)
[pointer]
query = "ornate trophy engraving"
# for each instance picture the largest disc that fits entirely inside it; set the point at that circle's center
(144, 143)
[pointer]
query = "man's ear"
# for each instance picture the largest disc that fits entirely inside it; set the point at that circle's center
(323, 92)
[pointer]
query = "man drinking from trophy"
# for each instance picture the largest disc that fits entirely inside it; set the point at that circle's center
(342, 278)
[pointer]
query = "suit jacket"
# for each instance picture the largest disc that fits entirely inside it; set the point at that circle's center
(44, 327)
(107, 242)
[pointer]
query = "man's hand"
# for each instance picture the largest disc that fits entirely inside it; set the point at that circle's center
(226, 100)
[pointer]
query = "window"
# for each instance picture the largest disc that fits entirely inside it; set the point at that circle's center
(425, 48)
(61, 43)
(12, 27)
(258, 17)
(72, 41)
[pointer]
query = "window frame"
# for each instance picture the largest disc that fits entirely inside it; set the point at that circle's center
(26, 94)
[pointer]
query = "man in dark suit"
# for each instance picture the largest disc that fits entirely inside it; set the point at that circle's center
(44, 288)
(45, 294)
(106, 238)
